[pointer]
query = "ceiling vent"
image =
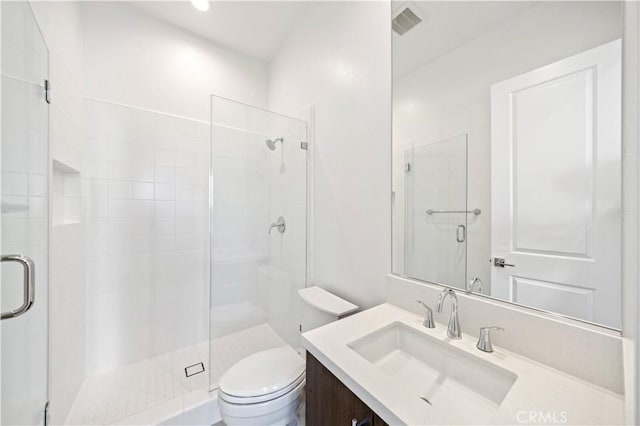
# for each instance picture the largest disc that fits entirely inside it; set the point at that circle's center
(406, 17)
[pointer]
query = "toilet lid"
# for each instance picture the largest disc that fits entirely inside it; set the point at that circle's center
(263, 373)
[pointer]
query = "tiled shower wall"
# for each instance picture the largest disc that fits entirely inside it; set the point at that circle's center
(145, 192)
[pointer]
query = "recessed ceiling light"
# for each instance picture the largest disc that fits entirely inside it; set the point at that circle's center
(202, 5)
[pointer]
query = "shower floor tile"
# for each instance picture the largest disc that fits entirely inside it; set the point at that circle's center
(156, 388)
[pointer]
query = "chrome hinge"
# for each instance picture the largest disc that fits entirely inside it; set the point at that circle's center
(47, 91)
(46, 414)
(407, 167)
(304, 145)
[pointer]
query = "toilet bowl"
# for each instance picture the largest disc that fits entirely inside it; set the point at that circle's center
(265, 388)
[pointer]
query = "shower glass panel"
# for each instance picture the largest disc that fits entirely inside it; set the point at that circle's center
(146, 203)
(435, 211)
(25, 214)
(258, 261)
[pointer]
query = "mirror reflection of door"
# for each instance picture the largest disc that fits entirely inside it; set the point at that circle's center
(556, 190)
(536, 86)
(435, 211)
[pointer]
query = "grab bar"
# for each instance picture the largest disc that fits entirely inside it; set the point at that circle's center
(474, 211)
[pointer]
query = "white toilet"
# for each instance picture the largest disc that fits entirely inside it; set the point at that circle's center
(266, 388)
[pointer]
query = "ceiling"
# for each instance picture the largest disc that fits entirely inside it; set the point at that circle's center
(446, 26)
(256, 28)
(259, 28)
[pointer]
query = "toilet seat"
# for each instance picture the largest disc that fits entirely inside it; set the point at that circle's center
(263, 413)
(232, 399)
(263, 376)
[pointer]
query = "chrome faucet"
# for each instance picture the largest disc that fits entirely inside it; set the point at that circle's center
(280, 224)
(484, 340)
(475, 282)
(453, 330)
(428, 316)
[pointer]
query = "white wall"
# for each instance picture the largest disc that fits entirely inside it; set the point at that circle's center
(338, 61)
(60, 24)
(133, 59)
(630, 216)
(451, 95)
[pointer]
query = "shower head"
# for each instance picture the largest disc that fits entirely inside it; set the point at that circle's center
(271, 144)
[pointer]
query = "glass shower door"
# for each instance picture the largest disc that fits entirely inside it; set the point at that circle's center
(435, 206)
(24, 218)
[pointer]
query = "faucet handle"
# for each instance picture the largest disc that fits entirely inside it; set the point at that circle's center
(484, 340)
(475, 282)
(428, 317)
(280, 224)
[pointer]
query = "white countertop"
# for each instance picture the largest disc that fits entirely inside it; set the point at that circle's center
(540, 394)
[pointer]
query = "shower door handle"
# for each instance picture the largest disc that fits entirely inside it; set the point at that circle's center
(461, 233)
(29, 284)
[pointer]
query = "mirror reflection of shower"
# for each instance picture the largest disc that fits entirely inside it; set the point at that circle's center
(271, 144)
(280, 224)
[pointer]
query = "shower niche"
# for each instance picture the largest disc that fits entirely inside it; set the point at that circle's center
(258, 231)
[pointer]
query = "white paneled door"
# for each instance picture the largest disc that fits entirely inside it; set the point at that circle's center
(556, 186)
(25, 216)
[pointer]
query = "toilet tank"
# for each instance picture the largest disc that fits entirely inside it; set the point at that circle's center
(321, 307)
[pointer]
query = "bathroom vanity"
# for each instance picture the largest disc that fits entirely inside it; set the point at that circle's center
(384, 366)
(329, 401)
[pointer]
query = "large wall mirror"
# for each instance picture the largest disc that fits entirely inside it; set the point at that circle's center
(507, 151)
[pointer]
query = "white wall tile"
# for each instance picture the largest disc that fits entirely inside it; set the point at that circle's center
(117, 189)
(136, 241)
(143, 191)
(165, 174)
(165, 191)
(142, 171)
(119, 170)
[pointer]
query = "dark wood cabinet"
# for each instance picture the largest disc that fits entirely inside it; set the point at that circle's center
(330, 403)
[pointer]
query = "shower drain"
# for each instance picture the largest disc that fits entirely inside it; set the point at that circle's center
(192, 370)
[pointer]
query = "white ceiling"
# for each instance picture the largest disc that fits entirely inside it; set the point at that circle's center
(446, 26)
(256, 28)
(259, 28)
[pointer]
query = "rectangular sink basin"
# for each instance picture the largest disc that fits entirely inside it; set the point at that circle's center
(438, 373)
